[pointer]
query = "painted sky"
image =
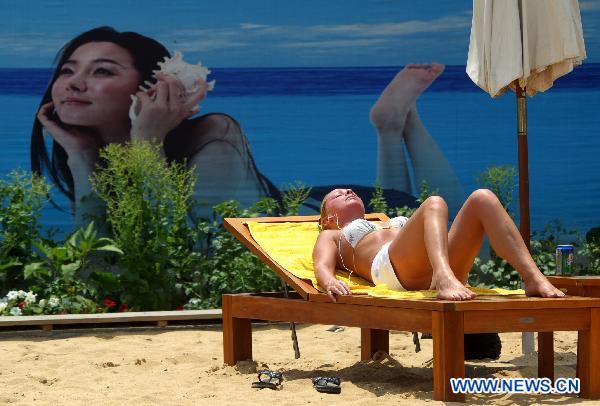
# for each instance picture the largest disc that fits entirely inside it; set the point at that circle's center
(260, 33)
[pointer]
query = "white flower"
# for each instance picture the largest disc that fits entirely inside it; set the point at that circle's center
(53, 301)
(42, 303)
(30, 297)
(2, 306)
(15, 311)
(194, 301)
(12, 295)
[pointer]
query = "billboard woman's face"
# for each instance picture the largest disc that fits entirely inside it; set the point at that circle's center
(94, 86)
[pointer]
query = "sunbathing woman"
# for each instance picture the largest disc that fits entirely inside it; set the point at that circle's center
(419, 253)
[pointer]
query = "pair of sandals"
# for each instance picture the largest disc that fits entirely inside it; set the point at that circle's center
(273, 380)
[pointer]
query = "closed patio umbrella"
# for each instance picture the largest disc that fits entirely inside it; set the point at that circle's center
(524, 45)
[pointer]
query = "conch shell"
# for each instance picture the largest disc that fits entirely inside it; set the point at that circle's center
(186, 73)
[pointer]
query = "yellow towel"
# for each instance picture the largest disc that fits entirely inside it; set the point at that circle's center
(291, 245)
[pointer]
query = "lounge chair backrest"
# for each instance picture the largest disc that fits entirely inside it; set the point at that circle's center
(239, 229)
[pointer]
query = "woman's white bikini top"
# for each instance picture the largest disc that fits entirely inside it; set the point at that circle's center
(357, 229)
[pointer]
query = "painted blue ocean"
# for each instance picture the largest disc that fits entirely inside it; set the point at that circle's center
(312, 125)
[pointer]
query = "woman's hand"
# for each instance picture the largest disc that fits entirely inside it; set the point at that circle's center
(336, 287)
(76, 142)
(163, 107)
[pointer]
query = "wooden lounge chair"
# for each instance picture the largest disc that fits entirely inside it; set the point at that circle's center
(448, 321)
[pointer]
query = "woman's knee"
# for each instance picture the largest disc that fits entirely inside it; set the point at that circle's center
(436, 203)
(483, 198)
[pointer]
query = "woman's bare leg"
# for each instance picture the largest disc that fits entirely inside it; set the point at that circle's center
(420, 252)
(389, 115)
(483, 213)
(429, 162)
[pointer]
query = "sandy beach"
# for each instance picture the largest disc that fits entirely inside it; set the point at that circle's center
(184, 365)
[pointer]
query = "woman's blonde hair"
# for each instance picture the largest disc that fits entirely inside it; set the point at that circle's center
(322, 211)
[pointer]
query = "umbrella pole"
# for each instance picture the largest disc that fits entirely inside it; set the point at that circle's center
(523, 165)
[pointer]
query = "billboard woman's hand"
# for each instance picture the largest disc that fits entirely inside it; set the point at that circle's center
(74, 140)
(164, 106)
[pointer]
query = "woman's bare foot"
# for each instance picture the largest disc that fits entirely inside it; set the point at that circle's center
(538, 285)
(389, 112)
(450, 288)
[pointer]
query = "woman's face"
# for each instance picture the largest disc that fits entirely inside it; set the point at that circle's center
(94, 86)
(341, 207)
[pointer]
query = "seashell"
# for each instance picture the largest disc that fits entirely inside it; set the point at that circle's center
(186, 73)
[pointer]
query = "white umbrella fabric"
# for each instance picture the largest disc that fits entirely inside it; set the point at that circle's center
(534, 41)
(525, 45)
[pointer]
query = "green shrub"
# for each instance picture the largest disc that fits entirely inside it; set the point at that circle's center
(147, 202)
(229, 267)
(21, 199)
(293, 197)
(379, 204)
(589, 254)
(62, 270)
(501, 181)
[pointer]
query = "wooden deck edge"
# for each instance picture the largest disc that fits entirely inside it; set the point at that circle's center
(160, 317)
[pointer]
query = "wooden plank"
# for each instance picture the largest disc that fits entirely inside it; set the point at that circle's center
(577, 285)
(301, 311)
(583, 366)
(491, 302)
(237, 334)
(501, 321)
(366, 300)
(488, 302)
(588, 358)
(546, 355)
(523, 302)
(560, 281)
(109, 318)
(373, 340)
(591, 291)
(594, 355)
(448, 354)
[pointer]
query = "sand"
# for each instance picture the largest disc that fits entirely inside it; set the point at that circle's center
(184, 366)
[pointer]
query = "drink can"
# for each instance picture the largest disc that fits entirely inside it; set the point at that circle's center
(564, 259)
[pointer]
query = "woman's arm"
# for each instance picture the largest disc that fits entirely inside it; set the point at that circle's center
(324, 259)
(81, 147)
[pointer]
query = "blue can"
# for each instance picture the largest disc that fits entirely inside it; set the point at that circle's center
(564, 259)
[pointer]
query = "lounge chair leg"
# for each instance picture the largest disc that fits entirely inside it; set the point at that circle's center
(448, 354)
(292, 324)
(373, 340)
(237, 335)
(588, 357)
(546, 355)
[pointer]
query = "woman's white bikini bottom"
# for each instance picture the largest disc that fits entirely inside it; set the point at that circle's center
(382, 270)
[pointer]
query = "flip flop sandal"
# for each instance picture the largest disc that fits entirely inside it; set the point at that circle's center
(327, 384)
(263, 385)
(268, 379)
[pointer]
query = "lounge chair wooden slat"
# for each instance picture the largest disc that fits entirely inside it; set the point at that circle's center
(578, 285)
(532, 319)
(302, 311)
